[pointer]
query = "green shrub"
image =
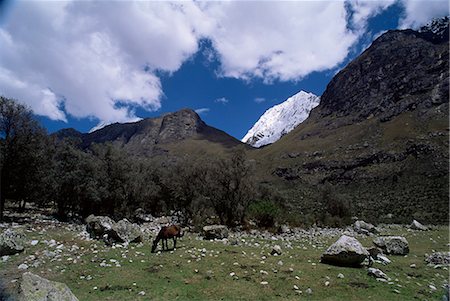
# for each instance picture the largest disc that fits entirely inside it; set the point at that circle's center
(264, 212)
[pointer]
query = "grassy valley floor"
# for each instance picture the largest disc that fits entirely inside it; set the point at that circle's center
(240, 269)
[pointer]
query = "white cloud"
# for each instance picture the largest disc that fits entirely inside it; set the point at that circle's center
(259, 99)
(418, 13)
(202, 111)
(222, 100)
(279, 40)
(364, 9)
(91, 56)
(99, 59)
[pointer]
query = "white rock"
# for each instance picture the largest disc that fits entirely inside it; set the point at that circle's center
(23, 266)
(34, 242)
(340, 275)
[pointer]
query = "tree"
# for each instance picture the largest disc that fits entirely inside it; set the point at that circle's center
(21, 149)
(231, 187)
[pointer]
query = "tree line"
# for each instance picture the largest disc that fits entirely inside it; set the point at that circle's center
(104, 180)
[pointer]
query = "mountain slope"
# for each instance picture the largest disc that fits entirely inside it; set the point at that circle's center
(378, 139)
(155, 136)
(281, 119)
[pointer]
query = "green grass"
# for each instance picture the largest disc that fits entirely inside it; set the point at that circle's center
(187, 275)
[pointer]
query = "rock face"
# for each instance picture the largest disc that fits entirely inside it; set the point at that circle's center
(362, 227)
(215, 232)
(418, 226)
(439, 258)
(346, 251)
(11, 242)
(381, 129)
(35, 288)
(395, 245)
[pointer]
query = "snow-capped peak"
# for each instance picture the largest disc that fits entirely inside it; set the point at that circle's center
(281, 119)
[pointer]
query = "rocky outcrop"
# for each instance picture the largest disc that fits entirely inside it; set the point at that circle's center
(125, 231)
(362, 227)
(395, 245)
(346, 251)
(11, 242)
(215, 232)
(97, 226)
(122, 231)
(438, 258)
(35, 288)
(141, 216)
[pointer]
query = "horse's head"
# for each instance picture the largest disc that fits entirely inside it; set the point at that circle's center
(180, 231)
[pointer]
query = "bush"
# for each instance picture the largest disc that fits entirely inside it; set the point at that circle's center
(265, 213)
(336, 211)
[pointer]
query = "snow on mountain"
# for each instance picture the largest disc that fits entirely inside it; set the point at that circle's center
(281, 119)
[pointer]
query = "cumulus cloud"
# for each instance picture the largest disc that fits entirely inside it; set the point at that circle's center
(100, 59)
(94, 59)
(418, 13)
(278, 40)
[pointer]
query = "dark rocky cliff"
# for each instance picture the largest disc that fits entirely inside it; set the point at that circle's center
(379, 137)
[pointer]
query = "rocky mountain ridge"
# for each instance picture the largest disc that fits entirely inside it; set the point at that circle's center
(150, 136)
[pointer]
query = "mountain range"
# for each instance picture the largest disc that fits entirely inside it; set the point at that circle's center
(378, 139)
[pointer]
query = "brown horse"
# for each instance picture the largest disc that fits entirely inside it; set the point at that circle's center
(165, 233)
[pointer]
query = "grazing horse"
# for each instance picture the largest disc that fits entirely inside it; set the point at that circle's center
(165, 233)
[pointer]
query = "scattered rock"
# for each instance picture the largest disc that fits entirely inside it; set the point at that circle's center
(35, 288)
(308, 291)
(396, 245)
(412, 265)
(377, 273)
(439, 258)
(362, 227)
(383, 259)
(34, 242)
(141, 216)
(215, 232)
(418, 226)
(283, 229)
(23, 266)
(11, 242)
(341, 276)
(276, 250)
(346, 251)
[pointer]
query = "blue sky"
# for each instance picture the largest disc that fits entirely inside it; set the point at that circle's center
(85, 64)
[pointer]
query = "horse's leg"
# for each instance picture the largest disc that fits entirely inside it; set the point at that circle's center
(174, 242)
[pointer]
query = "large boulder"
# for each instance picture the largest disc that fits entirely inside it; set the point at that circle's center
(395, 245)
(346, 251)
(35, 288)
(415, 225)
(215, 232)
(377, 273)
(11, 242)
(125, 231)
(98, 226)
(362, 227)
(439, 258)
